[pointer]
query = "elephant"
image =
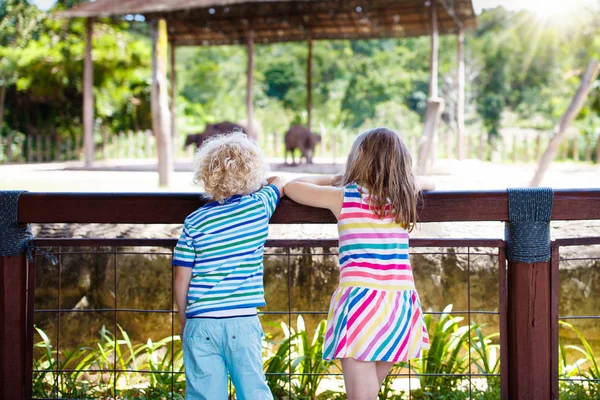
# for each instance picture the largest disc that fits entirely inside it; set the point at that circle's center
(212, 130)
(300, 137)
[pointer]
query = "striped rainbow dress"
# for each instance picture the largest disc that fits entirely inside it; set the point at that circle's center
(375, 313)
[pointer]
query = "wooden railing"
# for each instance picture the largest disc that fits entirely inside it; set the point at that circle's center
(529, 326)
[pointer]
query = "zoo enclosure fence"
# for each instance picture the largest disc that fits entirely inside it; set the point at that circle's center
(526, 292)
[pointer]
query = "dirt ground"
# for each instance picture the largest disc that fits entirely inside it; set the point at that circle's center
(140, 176)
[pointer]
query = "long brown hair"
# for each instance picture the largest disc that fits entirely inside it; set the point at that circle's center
(380, 161)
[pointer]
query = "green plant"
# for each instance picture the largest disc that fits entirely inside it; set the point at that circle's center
(160, 358)
(583, 383)
(444, 356)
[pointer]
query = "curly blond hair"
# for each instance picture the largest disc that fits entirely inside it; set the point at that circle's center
(230, 164)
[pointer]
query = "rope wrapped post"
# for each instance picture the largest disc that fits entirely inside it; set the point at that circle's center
(529, 333)
(15, 333)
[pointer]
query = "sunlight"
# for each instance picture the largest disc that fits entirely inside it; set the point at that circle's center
(551, 8)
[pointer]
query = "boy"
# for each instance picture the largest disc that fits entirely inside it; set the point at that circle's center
(218, 264)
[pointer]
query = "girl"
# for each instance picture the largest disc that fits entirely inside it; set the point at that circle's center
(375, 316)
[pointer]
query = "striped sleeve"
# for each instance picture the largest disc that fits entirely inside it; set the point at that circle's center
(269, 196)
(184, 254)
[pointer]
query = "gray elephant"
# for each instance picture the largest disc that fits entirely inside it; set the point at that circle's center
(212, 130)
(300, 137)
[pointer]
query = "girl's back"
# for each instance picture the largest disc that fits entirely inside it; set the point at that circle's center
(373, 250)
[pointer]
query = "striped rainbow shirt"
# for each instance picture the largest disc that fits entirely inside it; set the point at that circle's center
(224, 246)
(373, 251)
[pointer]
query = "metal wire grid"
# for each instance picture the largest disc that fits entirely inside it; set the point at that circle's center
(111, 247)
(557, 259)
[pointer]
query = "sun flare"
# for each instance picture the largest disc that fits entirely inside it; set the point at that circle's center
(555, 8)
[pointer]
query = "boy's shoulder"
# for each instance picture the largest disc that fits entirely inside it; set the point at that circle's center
(213, 208)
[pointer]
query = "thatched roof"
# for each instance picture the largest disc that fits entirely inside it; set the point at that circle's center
(211, 22)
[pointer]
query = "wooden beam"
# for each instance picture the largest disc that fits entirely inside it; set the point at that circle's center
(88, 96)
(172, 208)
(250, 82)
(173, 78)
(160, 103)
(460, 96)
(309, 82)
(433, 63)
(451, 12)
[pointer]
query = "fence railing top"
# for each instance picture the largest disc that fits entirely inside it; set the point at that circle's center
(172, 208)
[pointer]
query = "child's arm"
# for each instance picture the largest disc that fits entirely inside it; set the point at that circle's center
(424, 183)
(303, 191)
(319, 180)
(183, 276)
(278, 182)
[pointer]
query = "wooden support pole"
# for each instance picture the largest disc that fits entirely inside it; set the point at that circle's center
(309, 83)
(529, 320)
(250, 83)
(529, 327)
(88, 97)
(160, 103)
(173, 77)
(435, 107)
(460, 97)
(15, 360)
(433, 66)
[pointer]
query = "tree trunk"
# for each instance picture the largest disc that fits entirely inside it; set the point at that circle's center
(160, 103)
(560, 130)
(88, 98)
(433, 62)
(460, 98)
(9, 139)
(588, 150)
(250, 85)
(309, 83)
(173, 77)
(39, 150)
(481, 147)
(2, 100)
(435, 107)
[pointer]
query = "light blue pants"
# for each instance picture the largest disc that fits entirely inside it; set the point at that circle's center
(212, 348)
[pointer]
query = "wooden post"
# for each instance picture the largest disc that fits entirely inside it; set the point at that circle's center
(14, 336)
(250, 82)
(173, 77)
(576, 147)
(48, 147)
(9, 154)
(88, 97)
(480, 151)
(588, 149)
(148, 144)
(435, 107)
(529, 295)
(433, 62)
(39, 150)
(104, 142)
(160, 103)
(460, 97)
(309, 83)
